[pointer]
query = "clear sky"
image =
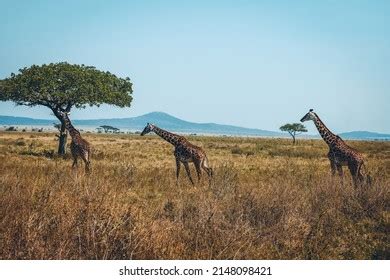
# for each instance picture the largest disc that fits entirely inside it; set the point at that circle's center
(256, 64)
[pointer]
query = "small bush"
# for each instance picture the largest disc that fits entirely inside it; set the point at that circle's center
(237, 151)
(20, 142)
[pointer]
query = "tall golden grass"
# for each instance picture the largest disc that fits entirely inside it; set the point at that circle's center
(268, 199)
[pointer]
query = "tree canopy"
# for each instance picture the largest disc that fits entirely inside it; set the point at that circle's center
(293, 129)
(108, 128)
(60, 86)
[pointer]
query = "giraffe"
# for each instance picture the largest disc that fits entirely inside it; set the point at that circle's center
(79, 147)
(184, 152)
(340, 154)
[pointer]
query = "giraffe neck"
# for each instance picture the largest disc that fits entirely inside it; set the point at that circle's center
(325, 133)
(172, 138)
(72, 130)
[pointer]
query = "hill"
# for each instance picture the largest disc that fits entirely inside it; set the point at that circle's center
(8, 120)
(172, 123)
(364, 135)
(164, 120)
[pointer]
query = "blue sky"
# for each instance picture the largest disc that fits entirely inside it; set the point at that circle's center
(250, 63)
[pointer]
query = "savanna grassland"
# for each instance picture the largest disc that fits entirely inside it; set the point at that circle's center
(268, 199)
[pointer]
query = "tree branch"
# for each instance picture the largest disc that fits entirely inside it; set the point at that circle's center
(68, 107)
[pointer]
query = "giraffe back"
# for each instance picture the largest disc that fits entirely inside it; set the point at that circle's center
(343, 152)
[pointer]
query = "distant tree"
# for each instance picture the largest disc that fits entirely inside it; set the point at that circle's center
(293, 129)
(109, 128)
(11, 128)
(106, 128)
(62, 86)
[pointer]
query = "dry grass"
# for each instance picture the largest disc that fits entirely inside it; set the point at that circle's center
(267, 200)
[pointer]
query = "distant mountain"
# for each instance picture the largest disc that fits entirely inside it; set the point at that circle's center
(174, 124)
(7, 120)
(364, 135)
(161, 119)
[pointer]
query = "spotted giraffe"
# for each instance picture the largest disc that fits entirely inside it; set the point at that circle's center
(340, 154)
(184, 152)
(79, 147)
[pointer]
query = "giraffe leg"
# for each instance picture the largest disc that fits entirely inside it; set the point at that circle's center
(333, 167)
(356, 172)
(353, 170)
(87, 163)
(188, 171)
(359, 174)
(74, 161)
(339, 170)
(88, 166)
(198, 170)
(177, 169)
(206, 168)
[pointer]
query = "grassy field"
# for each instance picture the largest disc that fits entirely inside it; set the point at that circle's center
(267, 200)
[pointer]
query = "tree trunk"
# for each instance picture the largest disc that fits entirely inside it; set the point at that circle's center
(63, 133)
(62, 140)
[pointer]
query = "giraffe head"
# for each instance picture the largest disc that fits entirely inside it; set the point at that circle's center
(148, 128)
(310, 116)
(64, 115)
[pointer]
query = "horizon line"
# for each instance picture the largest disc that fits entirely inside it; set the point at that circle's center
(93, 119)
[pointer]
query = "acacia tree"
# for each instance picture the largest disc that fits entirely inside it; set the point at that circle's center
(293, 129)
(63, 86)
(108, 128)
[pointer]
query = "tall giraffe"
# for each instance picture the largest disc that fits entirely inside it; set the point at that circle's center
(78, 147)
(340, 154)
(185, 152)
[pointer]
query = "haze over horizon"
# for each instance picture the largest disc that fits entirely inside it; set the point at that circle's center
(248, 63)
